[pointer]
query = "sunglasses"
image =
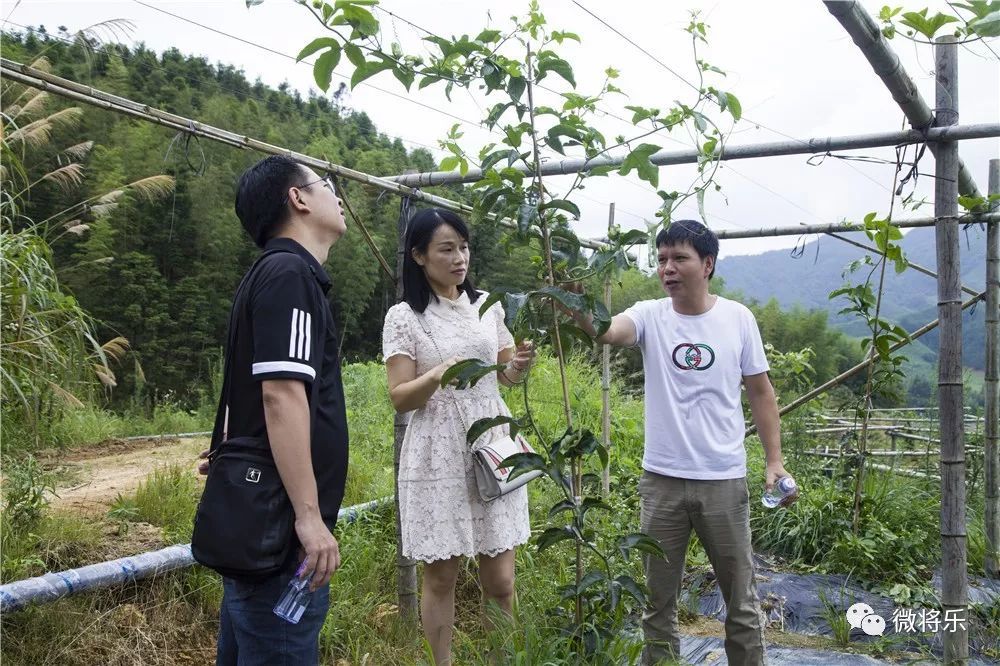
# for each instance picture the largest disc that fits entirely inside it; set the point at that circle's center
(327, 180)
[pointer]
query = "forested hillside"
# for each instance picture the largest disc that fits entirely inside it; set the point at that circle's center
(161, 273)
(910, 298)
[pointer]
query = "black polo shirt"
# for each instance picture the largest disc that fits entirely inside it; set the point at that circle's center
(285, 330)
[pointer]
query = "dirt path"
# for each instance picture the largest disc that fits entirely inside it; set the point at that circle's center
(91, 478)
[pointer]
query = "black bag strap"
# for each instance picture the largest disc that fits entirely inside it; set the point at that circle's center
(234, 318)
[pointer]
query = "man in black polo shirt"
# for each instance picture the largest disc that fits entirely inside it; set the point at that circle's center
(285, 386)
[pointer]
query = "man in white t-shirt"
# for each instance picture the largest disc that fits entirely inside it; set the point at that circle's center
(697, 350)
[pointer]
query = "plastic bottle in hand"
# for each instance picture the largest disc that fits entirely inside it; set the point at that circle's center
(294, 600)
(783, 488)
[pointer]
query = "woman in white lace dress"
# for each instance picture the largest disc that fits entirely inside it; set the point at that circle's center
(443, 518)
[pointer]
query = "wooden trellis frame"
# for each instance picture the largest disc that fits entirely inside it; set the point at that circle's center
(941, 132)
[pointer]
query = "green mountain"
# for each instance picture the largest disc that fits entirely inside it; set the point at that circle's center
(806, 279)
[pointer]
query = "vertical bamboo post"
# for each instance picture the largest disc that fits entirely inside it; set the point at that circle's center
(954, 589)
(606, 379)
(406, 569)
(991, 439)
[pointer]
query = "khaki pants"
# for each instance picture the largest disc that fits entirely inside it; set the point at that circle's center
(719, 512)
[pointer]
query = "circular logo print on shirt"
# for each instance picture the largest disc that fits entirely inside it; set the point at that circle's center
(696, 356)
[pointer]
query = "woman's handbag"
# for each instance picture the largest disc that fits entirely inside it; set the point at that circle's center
(492, 478)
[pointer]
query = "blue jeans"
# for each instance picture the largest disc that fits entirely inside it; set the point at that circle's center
(250, 634)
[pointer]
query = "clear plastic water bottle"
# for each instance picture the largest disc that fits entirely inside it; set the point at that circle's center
(783, 488)
(295, 598)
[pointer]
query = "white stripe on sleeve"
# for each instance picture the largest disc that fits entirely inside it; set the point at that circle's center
(291, 335)
(302, 334)
(308, 335)
(284, 366)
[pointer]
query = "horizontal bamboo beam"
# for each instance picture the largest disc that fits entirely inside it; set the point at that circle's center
(691, 156)
(40, 80)
(847, 374)
(840, 227)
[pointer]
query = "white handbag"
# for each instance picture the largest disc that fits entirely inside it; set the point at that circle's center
(492, 479)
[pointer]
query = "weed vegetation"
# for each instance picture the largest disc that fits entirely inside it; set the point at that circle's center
(172, 619)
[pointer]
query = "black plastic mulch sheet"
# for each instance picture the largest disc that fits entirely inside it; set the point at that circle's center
(793, 603)
(697, 650)
(711, 651)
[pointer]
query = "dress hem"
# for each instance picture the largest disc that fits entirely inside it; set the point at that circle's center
(448, 556)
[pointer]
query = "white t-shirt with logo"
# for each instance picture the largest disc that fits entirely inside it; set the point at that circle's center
(694, 366)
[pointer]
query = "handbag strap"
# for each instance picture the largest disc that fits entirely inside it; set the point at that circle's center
(422, 318)
(219, 431)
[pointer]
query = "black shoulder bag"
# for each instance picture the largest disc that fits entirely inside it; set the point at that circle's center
(244, 527)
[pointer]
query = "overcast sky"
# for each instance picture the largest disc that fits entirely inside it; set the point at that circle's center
(795, 70)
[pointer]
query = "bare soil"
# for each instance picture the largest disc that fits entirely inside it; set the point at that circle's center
(89, 479)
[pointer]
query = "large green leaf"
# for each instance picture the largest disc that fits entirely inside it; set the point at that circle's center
(593, 503)
(987, 26)
(515, 87)
(568, 299)
(562, 204)
(368, 70)
(522, 463)
(557, 65)
(552, 536)
(638, 160)
(632, 588)
(527, 214)
(590, 579)
(602, 318)
(630, 237)
(513, 303)
(482, 425)
(561, 507)
(584, 304)
(317, 44)
(926, 25)
(354, 54)
(735, 108)
(362, 20)
(641, 542)
(325, 64)
(467, 373)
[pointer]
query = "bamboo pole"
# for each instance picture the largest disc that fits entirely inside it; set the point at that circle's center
(606, 379)
(991, 438)
(95, 97)
(954, 564)
(809, 229)
(909, 264)
(56, 85)
(773, 149)
(406, 569)
(868, 37)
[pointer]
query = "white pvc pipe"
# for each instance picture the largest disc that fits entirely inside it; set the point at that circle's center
(55, 585)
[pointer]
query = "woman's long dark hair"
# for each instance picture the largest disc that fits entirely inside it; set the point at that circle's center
(417, 290)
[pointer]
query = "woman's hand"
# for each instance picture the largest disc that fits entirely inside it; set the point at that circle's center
(524, 356)
(439, 370)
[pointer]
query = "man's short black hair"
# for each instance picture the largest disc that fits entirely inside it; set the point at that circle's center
(260, 196)
(701, 238)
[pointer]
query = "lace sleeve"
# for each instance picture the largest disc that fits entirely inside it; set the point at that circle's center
(397, 336)
(504, 339)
